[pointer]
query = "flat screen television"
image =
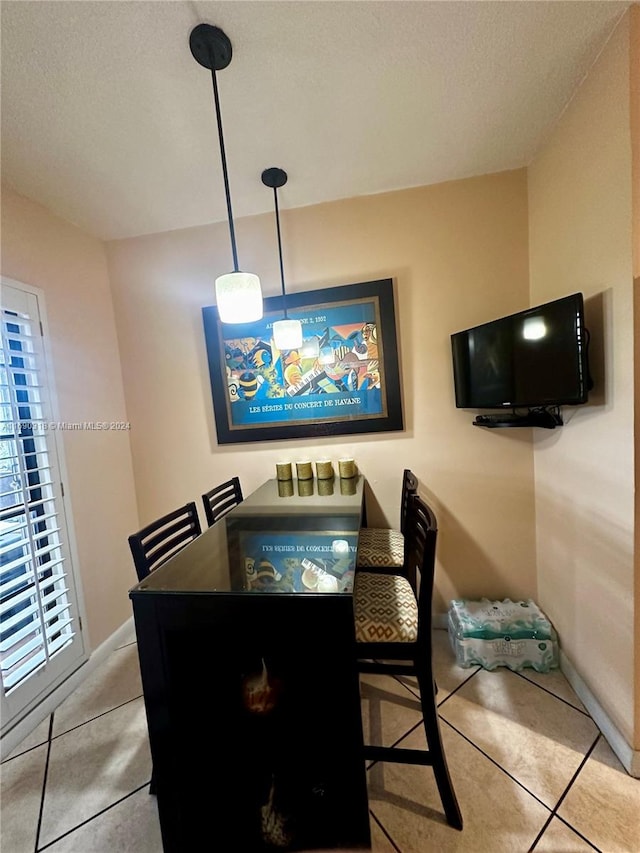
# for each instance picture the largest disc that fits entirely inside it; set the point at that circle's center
(535, 359)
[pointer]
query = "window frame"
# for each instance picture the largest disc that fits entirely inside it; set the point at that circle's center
(22, 699)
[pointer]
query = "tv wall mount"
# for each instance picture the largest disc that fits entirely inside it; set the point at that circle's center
(547, 418)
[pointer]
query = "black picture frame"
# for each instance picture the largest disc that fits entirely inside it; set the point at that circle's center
(262, 394)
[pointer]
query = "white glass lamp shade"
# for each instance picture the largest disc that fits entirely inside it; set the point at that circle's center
(327, 355)
(239, 297)
(340, 547)
(287, 334)
(310, 348)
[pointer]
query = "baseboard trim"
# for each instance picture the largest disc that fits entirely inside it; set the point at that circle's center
(21, 730)
(439, 621)
(628, 757)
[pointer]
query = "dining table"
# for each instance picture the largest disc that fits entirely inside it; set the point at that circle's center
(246, 641)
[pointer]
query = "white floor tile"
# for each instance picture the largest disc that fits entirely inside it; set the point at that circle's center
(21, 794)
(37, 737)
(604, 803)
(100, 757)
(560, 838)
(93, 766)
(389, 709)
(555, 682)
(131, 826)
(531, 734)
(498, 815)
(116, 681)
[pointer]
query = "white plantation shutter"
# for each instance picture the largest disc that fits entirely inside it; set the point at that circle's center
(39, 621)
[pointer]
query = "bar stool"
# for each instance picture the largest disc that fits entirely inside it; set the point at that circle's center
(383, 548)
(221, 500)
(157, 542)
(393, 623)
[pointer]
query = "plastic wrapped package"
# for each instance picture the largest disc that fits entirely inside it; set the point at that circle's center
(515, 634)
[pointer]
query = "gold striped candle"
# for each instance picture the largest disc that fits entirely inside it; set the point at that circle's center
(304, 470)
(283, 471)
(347, 467)
(324, 469)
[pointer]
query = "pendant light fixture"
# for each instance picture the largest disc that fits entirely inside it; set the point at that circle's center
(287, 334)
(238, 294)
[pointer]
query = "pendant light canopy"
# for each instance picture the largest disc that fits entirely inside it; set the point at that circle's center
(287, 334)
(238, 294)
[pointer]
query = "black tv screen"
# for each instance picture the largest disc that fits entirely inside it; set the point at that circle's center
(536, 357)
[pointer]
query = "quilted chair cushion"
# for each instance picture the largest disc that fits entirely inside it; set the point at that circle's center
(386, 610)
(380, 548)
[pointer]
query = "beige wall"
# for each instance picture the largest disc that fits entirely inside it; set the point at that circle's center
(634, 74)
(634, 66)
(580, 239)
(458, 255)
(70, 267)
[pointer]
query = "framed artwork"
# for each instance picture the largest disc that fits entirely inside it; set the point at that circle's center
(344, 379)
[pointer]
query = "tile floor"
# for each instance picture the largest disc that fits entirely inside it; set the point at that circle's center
(530, 769)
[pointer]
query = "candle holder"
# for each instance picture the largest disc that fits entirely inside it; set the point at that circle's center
(304, 470)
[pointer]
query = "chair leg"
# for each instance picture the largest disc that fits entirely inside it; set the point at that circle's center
(427, 686)
(152, 783)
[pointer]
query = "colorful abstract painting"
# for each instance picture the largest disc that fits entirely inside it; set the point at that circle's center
(344, 377)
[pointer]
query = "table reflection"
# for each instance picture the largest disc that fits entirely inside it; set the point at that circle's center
(264, 558)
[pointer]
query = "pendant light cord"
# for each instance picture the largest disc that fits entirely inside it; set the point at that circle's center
(284, 297)
(223, 157)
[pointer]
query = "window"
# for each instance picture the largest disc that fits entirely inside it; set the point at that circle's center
(39, 619)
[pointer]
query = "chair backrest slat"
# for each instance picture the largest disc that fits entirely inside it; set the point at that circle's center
(178, 530)
(421, 536)
(221, 500)
(157, 542)
(409, 488)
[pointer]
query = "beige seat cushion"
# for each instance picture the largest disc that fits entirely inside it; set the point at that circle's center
(380, 548)
(386, 610)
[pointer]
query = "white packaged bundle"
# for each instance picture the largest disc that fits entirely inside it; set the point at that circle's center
(515, 634)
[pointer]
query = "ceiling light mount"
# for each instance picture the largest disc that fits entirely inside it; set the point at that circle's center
(287, 334)
(210, 46)
(238, 294)
(274, 177)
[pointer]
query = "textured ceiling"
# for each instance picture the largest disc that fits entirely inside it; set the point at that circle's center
(108, 120)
